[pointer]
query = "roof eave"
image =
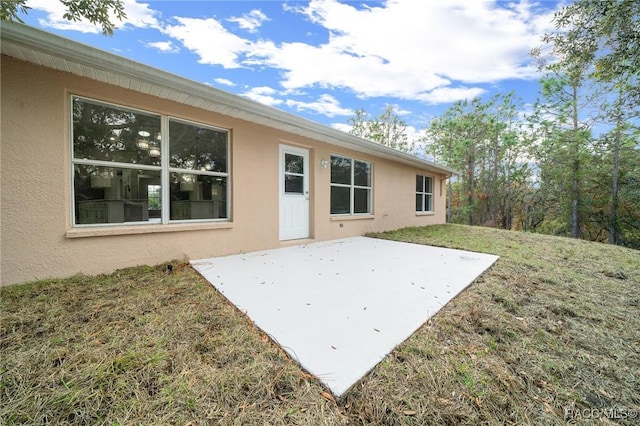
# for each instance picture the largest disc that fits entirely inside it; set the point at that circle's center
(30, 44)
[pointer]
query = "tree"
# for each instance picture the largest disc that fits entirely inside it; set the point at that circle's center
(565, 139)
(98, 12)
(387, 129)
(456, 138)
(600, 38)
(615, 201)
(602, 34)
(483, 141)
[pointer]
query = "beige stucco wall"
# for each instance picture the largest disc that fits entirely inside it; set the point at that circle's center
(37, 236)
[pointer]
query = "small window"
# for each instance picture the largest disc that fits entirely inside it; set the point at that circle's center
(351, 187)
(424, 193)
(293, 173)
(154, 200)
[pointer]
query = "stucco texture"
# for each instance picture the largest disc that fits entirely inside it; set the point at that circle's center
(38, 239)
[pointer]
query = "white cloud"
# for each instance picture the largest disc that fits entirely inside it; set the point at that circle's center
(264, 95)
(468, 41)
(138, 15)
(418, 139)
(325, 105)
(199, 35)
(55, 11)
(304, 65)
(250, 21)
(399, 111)
(414, 135)
(163, 46)
(408, 49)
(341, 126)
(224, 82)
(443, 95)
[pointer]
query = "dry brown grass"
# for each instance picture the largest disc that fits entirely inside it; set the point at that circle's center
(552, 326)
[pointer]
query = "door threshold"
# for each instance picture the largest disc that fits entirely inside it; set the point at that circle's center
(297, 242)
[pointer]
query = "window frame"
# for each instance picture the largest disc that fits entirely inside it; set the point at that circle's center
(424, 194)
(165, 150)
(352, 187)
(284, 172)
(164, 169)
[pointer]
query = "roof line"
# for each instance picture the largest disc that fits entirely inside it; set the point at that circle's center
(229, 104)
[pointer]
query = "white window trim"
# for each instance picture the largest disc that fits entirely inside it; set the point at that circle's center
(424, 193)
(301, 152)
(165, 153)
(352, 188)
(164, 169)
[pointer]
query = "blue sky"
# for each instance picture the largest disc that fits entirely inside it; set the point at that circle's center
(323, 59)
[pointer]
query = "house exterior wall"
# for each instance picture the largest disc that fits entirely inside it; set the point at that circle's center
(38, 239)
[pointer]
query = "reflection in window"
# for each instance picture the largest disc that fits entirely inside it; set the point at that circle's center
(198, 161)
(341, 170)
(340, 200)
(110, 194)
(193, 147)
(153, 195)
(350, 186)
(117, 166)
(293, 163)
(293, 173)
(106, 133)
(198, 196)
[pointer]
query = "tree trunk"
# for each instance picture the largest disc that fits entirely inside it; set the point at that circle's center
(575, 190)
(449, 189)
(470, 189)
(507, 203)
(575, 170)
(613, 221)
(495, 187)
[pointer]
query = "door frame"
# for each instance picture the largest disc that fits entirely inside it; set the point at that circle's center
(305, 153)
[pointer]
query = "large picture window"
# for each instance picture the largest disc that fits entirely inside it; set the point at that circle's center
(133, 166)
(424, 193)
(350, 186)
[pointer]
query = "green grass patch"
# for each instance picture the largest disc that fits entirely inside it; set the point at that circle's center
(552, 326)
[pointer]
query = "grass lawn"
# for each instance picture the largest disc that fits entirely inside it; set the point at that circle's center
(553, 328)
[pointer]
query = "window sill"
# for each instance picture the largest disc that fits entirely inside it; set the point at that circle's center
(352, 217)
(107, 231)
(425, 213)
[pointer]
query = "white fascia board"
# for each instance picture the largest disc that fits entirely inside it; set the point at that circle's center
(216, 100)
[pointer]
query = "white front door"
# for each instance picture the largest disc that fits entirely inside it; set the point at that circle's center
(294, 193)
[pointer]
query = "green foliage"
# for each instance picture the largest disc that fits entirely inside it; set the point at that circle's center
(627, 217)
(591, 83)
(548, 173)
(98, 12)
(570, 168)
(601, 35)
(482, 140)
(561, 125)
(10, 10)
(386, 129)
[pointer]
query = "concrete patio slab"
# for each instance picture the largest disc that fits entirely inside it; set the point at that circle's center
(339, 307)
